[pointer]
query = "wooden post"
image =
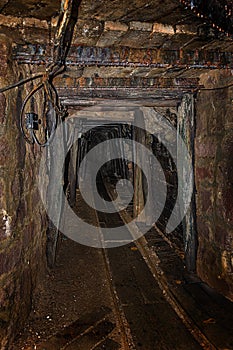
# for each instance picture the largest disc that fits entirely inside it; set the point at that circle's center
(65, 28)
(72, 173)
(140, 137)
(186, 129)
(54, 150)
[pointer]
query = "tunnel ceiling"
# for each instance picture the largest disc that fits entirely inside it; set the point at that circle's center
(167, 11)
(164, 11)
(43, 9)
(124, 44)
(168, 24)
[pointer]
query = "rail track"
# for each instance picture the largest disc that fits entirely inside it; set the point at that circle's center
(152, 307)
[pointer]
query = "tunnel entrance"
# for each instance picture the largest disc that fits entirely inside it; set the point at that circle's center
(93, 131)
(151, 57)
(128, 297)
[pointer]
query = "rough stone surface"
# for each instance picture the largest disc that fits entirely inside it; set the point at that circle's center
(150, 36)
(38, 9)
(2, 109)
(214, 181)
(22, 223)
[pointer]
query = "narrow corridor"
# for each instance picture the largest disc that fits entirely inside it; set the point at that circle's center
(138, 296)
(116, 186)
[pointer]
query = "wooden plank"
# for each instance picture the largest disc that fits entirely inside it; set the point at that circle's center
(186, 128)
(72, 173)
(75, 330)
(122, 93)
(89, 340)
(153, 323)
(98, 103)
(139, 136)
(56, 148)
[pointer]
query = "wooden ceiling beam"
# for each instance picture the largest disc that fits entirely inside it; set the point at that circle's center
(190, 56)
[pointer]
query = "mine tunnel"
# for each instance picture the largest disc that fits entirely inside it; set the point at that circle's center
(116, 142)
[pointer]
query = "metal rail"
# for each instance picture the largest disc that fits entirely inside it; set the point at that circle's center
(152, 260)
(126, 337)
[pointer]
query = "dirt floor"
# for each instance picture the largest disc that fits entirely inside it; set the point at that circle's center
(111, 299)
(75, 288)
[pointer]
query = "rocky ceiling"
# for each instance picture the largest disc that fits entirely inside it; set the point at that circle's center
(44, 9)
(102, 10)
(167, 24)
(124, 44)
(164, 11)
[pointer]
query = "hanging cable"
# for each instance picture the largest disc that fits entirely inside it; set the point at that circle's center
(50, 95)
(49, 89)
(216, 88)
(21, 82)
(63, 38)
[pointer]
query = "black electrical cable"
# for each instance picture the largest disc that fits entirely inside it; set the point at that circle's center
(52, 71)
(49, 89)
(216, 88)
(31, 93)
(21, 82)
(65, 28)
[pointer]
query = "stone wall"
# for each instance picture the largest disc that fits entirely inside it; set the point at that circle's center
(214, 181)
(22, 217)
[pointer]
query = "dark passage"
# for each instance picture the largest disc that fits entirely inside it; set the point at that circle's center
(116, 143)
(109, 299)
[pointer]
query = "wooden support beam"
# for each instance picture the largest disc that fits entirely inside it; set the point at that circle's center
(140, 137)
(65, 28)
(86, 56)
(122, 93)
(72, 174)
(99, 103)
(186, 128)
(54, 207)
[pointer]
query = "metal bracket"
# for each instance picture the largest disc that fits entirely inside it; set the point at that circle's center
(32, 122)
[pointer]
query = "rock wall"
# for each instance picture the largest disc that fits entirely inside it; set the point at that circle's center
(22, 217)
(214, 181)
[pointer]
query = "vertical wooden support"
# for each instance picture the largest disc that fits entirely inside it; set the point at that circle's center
(123, 167)
(72, 172)
(150, 208)
(63, 37)
(84, 150)
(186, 128)
(142, 184)
(140, 137)
(65, 28)
(57, 148)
